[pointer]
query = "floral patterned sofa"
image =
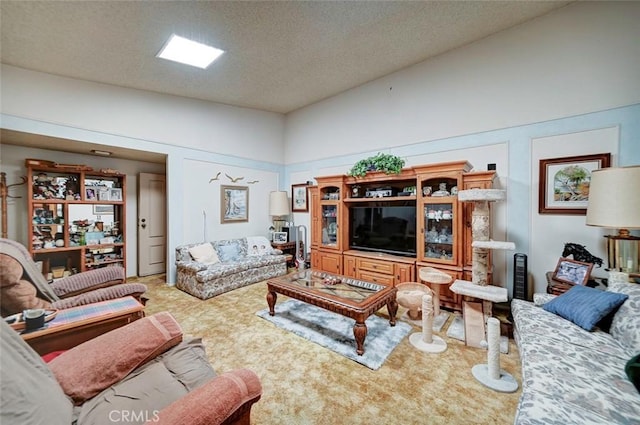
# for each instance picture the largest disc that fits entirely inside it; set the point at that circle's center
(571, 375)
(208, 269)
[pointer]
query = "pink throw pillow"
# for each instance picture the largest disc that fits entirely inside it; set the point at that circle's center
(92, 366)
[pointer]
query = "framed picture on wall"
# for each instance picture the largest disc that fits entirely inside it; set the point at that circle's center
(564, 183)
(299, 197)
(234, 204)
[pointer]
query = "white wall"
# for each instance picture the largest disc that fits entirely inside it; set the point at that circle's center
(205, 202)
(578, 59)
(553, 231)
(137, 114)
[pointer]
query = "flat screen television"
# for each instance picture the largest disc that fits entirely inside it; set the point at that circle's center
(389, 229)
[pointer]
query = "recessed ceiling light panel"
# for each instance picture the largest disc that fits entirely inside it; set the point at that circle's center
(183, 50)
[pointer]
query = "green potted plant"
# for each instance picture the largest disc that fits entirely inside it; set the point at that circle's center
(387, 163)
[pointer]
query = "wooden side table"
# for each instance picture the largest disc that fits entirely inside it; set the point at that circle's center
(556, 287)
(288, 248)
(76, 325)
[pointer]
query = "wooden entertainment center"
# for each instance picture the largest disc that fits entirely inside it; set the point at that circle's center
(440, 237)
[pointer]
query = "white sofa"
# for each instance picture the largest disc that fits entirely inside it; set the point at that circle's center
(573, 376)
(233, 263)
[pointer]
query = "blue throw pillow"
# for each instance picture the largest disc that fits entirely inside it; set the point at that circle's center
(228, 252)
(585, 306)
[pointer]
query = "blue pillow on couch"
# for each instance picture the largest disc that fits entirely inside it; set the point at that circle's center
(229, 252)
(585, 306)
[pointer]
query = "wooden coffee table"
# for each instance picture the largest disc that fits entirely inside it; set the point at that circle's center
(349, 297)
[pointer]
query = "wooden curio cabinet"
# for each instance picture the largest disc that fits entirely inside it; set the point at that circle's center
(441, 222)
(76, 217)
(329, 229)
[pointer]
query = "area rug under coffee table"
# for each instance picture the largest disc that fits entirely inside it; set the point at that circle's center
(335, 332)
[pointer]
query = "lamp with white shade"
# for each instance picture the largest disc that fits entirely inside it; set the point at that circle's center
(614, 203)
(278, 208)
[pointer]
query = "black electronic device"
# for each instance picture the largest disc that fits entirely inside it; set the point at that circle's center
(390, 229)
(520, 276)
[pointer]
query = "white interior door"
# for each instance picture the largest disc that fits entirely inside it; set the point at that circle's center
(152, 224)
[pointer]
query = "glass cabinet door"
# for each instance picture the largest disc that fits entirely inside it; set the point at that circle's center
(439, 228)
(329, 225)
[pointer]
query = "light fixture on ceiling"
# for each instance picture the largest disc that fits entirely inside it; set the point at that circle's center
(101, 153)
(183, 50)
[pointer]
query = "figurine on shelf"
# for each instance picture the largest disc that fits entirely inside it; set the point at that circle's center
(444, 235)
(442, 191)
(432, 235)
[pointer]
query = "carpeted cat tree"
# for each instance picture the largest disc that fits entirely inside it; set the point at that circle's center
(478, 317)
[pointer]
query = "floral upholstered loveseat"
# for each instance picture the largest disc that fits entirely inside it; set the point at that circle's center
(571, 375)
(208, 269)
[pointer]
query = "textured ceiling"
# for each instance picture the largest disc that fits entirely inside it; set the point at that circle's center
(280, 56)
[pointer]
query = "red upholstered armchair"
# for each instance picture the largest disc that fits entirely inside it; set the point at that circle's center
(142, 372)
(23, 286)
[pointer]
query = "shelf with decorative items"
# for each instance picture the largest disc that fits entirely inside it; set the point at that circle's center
(331, 207)
(440, 238)
(329, 217)
(388, 225)
(77, 217)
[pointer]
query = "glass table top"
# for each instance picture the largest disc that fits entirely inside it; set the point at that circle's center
(339, 286)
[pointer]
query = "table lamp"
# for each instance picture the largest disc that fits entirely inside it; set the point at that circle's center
(614, 203)
(278, 207)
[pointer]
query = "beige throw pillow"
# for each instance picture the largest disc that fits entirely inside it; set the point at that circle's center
(204, 254)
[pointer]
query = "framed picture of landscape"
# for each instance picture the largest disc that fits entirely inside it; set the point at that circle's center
(564, 183)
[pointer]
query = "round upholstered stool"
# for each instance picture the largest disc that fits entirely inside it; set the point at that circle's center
(409, 296)
(435, 278)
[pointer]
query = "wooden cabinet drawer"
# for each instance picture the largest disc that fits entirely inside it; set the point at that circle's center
(382, 279)
(383, 267)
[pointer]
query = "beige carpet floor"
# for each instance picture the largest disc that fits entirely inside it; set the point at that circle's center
(304, 383)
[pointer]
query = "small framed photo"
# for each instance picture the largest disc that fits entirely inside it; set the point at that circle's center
(103, 193)
(102, 209)
(572, 272)
(299, 197)
(564, 183)
(280, 237)
(90, 194)
(115, 194)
